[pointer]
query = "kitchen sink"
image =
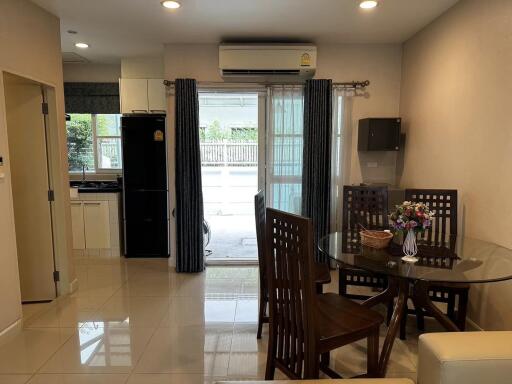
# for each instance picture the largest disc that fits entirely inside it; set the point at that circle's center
(96, 186)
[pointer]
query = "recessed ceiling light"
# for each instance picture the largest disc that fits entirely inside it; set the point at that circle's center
(170, 4)
(82, 45)
(368, 4)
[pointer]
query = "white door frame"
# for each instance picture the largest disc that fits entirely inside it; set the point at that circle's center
(262, 146)
(57, 167)
(33, 227)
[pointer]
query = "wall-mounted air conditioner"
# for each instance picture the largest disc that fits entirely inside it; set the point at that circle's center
(275, 62)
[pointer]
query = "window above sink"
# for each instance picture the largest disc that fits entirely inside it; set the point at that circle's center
(94, 141)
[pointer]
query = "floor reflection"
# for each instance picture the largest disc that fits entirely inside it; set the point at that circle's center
(140, 319)
(219, 310)
(99, 348)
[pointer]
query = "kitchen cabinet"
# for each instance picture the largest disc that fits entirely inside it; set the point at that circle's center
(90, 224)
(134, 95)
(157, 100)
(96, 224)
(142, 96)
(77, 225)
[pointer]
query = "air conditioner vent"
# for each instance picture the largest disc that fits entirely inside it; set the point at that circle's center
(267, 62)
(260, 72)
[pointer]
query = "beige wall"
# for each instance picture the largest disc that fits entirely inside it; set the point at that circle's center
(30, 47)
(142, 67)
(381, 64)
(92, 73)
(455, 102)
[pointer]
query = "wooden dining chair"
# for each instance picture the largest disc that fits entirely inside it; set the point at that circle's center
(305, 326)
(443, 232)
(322, 271)
(366, 206)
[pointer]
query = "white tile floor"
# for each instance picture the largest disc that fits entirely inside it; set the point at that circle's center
(135, 321)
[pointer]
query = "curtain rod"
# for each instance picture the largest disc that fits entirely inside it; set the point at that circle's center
(347, 85)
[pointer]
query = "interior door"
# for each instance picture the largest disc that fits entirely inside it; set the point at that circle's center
(30, 184)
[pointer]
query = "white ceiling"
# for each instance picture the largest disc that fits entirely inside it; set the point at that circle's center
(123, 28)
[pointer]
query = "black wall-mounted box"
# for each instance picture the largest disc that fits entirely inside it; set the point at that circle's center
(379, 134)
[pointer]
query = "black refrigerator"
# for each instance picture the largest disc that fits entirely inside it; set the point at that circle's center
(145, 191)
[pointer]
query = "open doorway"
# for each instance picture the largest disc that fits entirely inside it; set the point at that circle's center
(229, 131)
(28, 141)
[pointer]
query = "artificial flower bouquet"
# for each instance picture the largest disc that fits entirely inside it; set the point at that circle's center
(411, 216)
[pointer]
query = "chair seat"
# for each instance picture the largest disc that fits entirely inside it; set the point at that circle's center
(338, 317)
(322, 273)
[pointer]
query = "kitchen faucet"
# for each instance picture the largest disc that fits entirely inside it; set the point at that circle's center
(84, 167)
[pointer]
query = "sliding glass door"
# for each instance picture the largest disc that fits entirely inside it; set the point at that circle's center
(251, 140)
(230, 124)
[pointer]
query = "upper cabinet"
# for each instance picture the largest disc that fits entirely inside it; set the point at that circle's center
(134, 96)
(156, 96)
(143, 96)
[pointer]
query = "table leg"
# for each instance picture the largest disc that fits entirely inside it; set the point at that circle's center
(422, 298)
(385, 296)
(394, 324)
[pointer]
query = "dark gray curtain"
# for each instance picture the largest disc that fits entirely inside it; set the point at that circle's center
(316, 171)
(91, 97)
(189, 193)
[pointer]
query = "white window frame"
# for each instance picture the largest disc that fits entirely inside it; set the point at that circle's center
(97, 170)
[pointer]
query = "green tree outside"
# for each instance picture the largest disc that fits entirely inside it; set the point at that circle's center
(80, 145)
(214, 133)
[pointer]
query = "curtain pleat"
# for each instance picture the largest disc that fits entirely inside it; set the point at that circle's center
(189, 192)
(284, 155)
(316, 171)
(342, 100)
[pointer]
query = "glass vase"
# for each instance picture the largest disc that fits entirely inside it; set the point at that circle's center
(410, 248)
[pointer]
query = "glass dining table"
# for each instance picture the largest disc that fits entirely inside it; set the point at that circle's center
(459, 260)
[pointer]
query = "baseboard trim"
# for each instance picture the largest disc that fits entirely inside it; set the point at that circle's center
(73, 286)
(10, 330)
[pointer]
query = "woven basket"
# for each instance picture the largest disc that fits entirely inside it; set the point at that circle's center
(375, 239)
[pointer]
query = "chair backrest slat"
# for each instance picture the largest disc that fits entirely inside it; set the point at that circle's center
(289, 263)
(444, 223)
(366, 206)
(259, 213)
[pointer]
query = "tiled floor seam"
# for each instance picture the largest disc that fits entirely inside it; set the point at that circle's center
(134, 366)
(56, 351)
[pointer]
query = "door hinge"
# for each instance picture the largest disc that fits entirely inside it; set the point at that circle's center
(51, 195)
(44, 107)
(56, 276)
